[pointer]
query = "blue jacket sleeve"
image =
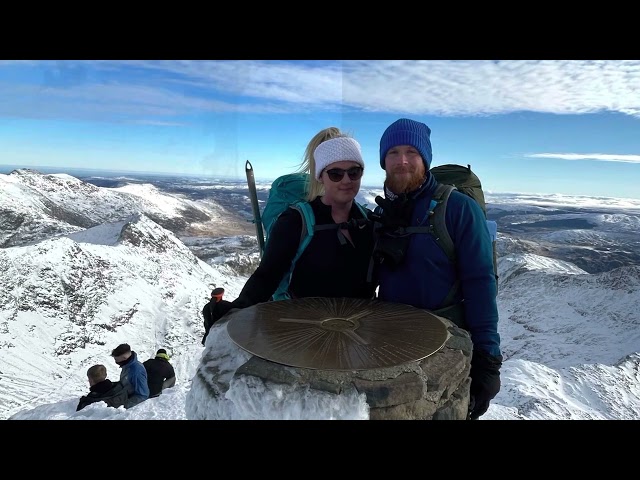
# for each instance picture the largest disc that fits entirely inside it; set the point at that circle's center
(474, 262)
(139, 381)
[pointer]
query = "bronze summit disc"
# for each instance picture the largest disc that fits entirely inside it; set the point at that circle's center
(337, 333)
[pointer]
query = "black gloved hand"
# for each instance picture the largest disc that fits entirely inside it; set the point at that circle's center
(485, 382)
(391, 241)
(395, 213)
(390, 251)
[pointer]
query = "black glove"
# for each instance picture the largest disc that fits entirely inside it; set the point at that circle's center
(395, 213)
(485, 382)
(390, 251)
(391, 241)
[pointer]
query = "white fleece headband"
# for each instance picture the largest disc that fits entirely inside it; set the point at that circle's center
(337, 150)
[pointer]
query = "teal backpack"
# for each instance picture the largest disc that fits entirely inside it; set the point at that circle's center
(290, 191)
(285, 190)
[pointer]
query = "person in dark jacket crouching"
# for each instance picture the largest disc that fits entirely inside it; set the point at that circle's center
(160, 373)
(102, 389)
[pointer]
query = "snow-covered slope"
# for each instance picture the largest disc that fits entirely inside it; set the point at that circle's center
(68, 301)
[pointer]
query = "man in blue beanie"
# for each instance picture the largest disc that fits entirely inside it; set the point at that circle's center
(414, 270)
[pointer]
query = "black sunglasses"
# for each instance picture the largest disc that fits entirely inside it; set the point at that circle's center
(337, 174)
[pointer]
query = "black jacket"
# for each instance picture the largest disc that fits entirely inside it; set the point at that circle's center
(206, 313)
(113, 394)
(160, 374)
(327, 267)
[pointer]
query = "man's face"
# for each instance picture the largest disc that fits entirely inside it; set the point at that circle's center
(122, 358)
(405, 169)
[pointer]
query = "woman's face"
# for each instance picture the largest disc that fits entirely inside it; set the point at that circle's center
(341, 181)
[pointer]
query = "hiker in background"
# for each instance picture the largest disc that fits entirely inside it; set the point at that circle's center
(209, 308)
(133, 374)
(414, 270)
(160, 373)
(335, 262)
(102, 389)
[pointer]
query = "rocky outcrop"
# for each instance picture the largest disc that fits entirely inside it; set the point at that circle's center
(433, 388)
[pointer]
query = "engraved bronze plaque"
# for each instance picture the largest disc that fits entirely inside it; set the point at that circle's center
(337, 333)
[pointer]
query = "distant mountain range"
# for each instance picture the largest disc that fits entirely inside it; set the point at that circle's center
(35, 206)
(85, 267)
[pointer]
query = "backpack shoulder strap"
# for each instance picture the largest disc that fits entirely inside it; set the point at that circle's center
(308, 221)
(438, 229)
(308, 227)
(438, 225)
(363, 210)
(437, 222)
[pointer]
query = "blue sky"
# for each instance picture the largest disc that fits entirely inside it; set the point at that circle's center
(552, 126)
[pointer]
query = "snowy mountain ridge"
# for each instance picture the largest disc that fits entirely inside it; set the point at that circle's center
(570, 339)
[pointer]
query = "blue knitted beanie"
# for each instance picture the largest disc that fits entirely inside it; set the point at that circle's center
(407, 132)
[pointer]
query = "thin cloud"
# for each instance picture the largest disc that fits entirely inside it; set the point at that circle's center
(420, 87)
(630, 205)
(598, 157)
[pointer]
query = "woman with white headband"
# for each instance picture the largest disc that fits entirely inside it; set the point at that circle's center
(335, 262)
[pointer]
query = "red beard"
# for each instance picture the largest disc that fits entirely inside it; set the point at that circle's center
(405, 184)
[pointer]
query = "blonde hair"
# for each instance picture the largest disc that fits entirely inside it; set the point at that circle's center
(308, 164)
(97, 373)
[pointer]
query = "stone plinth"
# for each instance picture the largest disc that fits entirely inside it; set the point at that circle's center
(233, 384)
